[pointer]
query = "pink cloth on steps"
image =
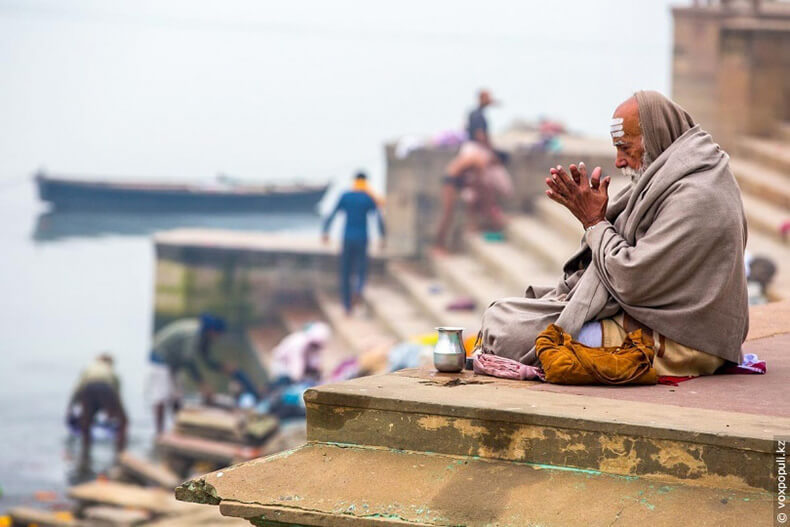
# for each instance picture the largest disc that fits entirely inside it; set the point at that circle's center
(504, 368)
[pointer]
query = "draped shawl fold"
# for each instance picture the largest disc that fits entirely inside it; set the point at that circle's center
(670, 254)
(661, 120)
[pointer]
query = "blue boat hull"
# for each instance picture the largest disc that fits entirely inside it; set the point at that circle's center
(85, 195)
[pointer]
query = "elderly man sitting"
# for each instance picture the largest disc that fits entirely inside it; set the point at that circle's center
(666, 255)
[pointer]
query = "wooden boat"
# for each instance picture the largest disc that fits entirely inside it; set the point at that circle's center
(225, 195)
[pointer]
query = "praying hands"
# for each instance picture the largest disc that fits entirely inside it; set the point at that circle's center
(585, 198)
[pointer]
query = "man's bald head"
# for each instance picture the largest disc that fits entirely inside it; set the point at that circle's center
(628, 111)
(627, 138)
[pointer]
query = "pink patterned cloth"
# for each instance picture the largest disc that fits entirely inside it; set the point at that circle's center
(751, 364)
(504, 368)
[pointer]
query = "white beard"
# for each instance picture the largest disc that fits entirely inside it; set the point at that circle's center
(634, 175)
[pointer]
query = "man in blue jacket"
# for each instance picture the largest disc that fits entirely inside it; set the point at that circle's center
(357, 204)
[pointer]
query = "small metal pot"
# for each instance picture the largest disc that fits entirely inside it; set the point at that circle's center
(449, 355)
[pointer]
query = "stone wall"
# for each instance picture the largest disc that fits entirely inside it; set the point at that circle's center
(731, 69)
(244, 283)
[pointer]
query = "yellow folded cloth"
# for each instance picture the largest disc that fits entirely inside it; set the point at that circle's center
(566, 361)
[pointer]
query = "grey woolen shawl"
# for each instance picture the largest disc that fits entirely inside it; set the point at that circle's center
(670, 255)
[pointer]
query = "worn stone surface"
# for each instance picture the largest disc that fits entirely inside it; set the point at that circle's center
(481, 397)
(493, 418)
(205, 516)
(334, 485)
(768, 320)
(102, 515)
(199, 448)
(156, 500)
(632, 455)
(245, 277)
(147, 471)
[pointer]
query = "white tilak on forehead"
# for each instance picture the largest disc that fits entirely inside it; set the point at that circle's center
(616, 127)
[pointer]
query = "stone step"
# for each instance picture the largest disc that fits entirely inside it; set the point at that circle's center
(620, 431)
(422, 448)
(101, 492)
(538, 238)
(464, 273)
(205, 517)
(350, 486)
(770, 152)
(560, 219)
(181, 446)
(763, 182)
(433, 296)
(109, 516)
(396, 311)
(514, 268)
(148, 472)
(765, 217)
(42, 518)
(360, 332)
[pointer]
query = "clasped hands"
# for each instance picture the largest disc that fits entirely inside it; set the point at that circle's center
(585, 198)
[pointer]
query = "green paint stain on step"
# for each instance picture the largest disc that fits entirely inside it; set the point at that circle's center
(647, 504)
(567, 469)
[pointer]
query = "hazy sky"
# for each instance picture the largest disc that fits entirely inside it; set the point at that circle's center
(261, 90)
(300, 89)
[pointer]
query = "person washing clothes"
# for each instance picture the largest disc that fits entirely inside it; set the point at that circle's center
(297, 358)
(179, 346)
(295, 367)
(357, 204)
(97, 390)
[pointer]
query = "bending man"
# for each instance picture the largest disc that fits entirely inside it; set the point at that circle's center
(98, 390)
(179, 346)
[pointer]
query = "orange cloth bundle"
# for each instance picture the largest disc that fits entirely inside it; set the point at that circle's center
(566, 361)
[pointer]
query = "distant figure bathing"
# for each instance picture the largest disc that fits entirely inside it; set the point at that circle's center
(97, 391)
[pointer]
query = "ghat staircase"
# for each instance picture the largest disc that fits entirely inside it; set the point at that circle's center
(414, 298)
(421, 448)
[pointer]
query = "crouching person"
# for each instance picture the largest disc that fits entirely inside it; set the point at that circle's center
(177, 347)
(98, 390)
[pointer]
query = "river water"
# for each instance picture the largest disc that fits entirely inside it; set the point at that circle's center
(286, 91)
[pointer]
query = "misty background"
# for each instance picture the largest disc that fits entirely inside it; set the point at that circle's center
(262, 91)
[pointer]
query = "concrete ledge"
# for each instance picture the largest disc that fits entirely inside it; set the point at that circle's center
(209, 244)
(337, 486)
(492, 418)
